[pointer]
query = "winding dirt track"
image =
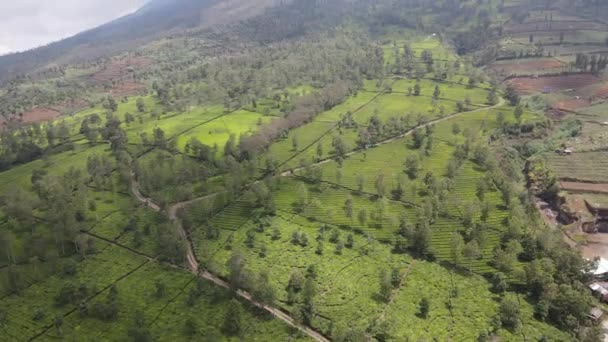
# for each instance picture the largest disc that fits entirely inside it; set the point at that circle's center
(193, 264)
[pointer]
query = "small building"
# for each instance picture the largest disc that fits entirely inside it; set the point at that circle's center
(595, 314)
(599, 292)
(605, 123)
(601, 272)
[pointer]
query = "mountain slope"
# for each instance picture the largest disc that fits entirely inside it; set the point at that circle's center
(156, 18)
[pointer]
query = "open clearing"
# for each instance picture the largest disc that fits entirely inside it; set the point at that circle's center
(527, 66)
(584, 187)
(39, 115)
(530, 85)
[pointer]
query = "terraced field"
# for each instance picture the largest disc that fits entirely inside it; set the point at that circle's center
(585, 166)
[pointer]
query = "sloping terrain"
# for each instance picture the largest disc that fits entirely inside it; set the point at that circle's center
(157, 18)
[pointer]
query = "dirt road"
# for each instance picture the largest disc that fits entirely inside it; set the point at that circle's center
(193, 264)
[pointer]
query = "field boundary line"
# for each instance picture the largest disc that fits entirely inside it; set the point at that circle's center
(200, 124)
(119, 245)
(396, 137)
(193, 264)
(394, 292)
(102, 219)
(329, 130)
(90, 298)
(172, 300)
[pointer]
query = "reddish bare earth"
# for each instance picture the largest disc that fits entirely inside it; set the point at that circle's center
(572, 104)
(527, 66)
(39, 114)
(529, 85)
(118, 68)
(602, 92)
(585, 187)
(128, 88)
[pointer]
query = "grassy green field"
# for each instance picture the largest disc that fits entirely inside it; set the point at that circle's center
(219, 131)
(20, 176)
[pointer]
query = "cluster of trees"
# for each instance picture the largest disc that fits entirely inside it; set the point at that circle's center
(305, 109)
(19, 97)
(554, 275)
(22, 144)
(591, 63)
(255, 73)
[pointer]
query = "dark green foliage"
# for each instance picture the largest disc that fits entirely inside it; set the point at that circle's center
(424, 308)
(509, 313)
(138, 332)
(71, 294)
(232, 325)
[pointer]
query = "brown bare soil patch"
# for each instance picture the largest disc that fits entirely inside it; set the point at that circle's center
(128, 89)
(39, 114)
(585, 187)
(602, 92)
(527, 66)
(528, 85)
(118, 68)
(572, 104)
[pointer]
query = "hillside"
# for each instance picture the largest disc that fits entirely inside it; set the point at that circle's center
(156, 19)
(329, 170)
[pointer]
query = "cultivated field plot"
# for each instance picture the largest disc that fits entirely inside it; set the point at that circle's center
(127, 88)
(58, 164)
(593, 137)
(217, 132)
(39, 114)
(176, 124)
(527, 66)
(98, 272)
(450, 91)
(118, 68)
(554, 37)
(598, 201)
(555, 15)
(357, 176)
(471, 307)
(578, 187)
(567, 52)
(598, 112)
(166, 315)
(530, 85)
(394, 46)
(555, 26)
(347, 282)
(585, 166)
(398, 104)
(567, 102)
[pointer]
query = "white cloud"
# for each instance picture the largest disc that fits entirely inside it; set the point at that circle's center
(26, 24)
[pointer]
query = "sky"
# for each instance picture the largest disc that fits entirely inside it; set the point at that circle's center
(26, 24)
